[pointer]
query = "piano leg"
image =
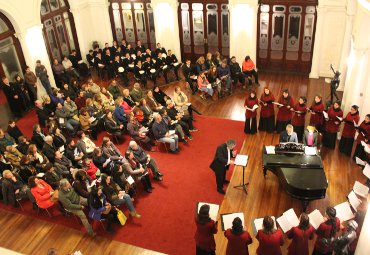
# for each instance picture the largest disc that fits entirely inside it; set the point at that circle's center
(305, 205)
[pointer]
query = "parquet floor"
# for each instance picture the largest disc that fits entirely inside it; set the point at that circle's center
(265, 195)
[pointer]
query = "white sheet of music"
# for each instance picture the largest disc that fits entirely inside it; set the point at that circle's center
(344, 211)
(366, 171)
(241, 160)
(310, 151)
(227, 220)
(360, 189)
(326, 116)
(213, 210)
(360, 162)
(353, 200)
(288, 220)
(258, 223)
(316, 218)
(270, 149)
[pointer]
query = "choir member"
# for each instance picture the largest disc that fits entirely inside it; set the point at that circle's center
(250, 126)
(349, 130)
(108, 61)
(139, 72)
(119, 70)
(206, 228)
(299, 116)
(317, 117)
(150, 70)
(128, 62)
(363, 136)
(139, 47)
(100, 65)
(267, 115)
(325, 232)
(284, 115)
(332, 125)
(161, 66)
(238, 239)
(269, 238)
(300, 236)
(160, 49)
(173, 63)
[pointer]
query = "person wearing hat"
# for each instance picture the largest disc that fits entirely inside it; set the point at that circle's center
(332, 125)
(325, 232)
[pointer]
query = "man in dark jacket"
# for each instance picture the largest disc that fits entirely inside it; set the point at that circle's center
(221, 162)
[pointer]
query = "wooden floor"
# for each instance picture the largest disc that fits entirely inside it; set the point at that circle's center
(265, 195)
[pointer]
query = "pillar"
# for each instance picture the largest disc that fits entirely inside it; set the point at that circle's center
(243, 29)
(166, 24)
(321, 10)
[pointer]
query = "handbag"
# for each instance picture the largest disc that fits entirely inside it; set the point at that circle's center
(121, 217)
(55, 196)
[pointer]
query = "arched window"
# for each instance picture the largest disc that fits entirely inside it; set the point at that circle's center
(59, 28)
(11, 55)
(132, 21)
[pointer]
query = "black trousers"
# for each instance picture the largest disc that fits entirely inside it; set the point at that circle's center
(267, 124)
(238, 77)
(359, 152)
(191, 84)
(185, 127)
(281, 125)
(220, 178)
(315, 252)
(251, 73)
(200, 251)
(187, 119)
(250, 126)
(329, 140)
(299, 130)
(345, 145)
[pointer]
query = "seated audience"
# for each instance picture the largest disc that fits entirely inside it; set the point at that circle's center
(160, 96)
(13, 130)
(51, 176)
(110, 150)
(112, 126)
(38, 136)
(13, 188)
(90, 168)
(182, 102)
(132, 167)
(84, 144)
(161, 133)
(42, 192)
(139, 133)
(13, 156)
(5, 140)
(249, 69)
(204, 85)
(236, 72)
(137, 93)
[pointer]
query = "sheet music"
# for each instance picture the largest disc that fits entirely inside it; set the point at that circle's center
(278, 104)
(353, 200)
(130, 180)
(310, 150)
(107, 161)
(344, 211)
(360, 189)
(91, 184)
(40, 175)
(61, 148)
(241, 160)
(227, 220)
(326, 116)
(92, 119)
(288, 220)
(360, 162)
(354, 123)
(213, 210)
(258, 224)
(270, 149)
(339, 118)
(171, 132)
(366, 171)
(316, 218)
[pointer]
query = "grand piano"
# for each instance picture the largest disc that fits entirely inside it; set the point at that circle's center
(301, 175)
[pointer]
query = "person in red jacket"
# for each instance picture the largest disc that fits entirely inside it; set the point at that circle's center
(41, 191)
(363, 136)
(90, 168)
(300, 236)
(325, 232)
(269, 238)
(206, 228)
(349, 130)
(335, 114)
(284, 115)
(250, 126)
(238, 239)
(300, 110)
(267, 115)
(317, 117)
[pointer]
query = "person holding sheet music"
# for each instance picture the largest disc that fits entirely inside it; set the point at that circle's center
(335, 114)
(316, 110)
(284, 115)
(363, 136)
(299, 116)
(267, 115)
(238, 239)
(250, 104)
(206, 228)
(269, 238)
(221, 162)
(349, 130)
(300, 236)
(325, 232)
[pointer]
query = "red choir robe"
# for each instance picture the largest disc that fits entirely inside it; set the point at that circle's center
(323, 231)
(204, 235)
(299, 244)
(317, 119)
(363, 132)
(299, 118)
(284, 113)
(269, 244)
(349, 129)
(268, 110)
(250, 103)
(237, 244)
(333, 123)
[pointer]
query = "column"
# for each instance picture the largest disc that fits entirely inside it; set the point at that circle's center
(243, 29)
(357, 85)
(346, 47)
(318, 38)
(166, 24)
(33, 47)
(81, 17)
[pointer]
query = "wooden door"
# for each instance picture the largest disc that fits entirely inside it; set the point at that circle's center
(203, 27)
(285, 36)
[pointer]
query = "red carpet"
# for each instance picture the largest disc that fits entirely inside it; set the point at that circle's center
(167, 223)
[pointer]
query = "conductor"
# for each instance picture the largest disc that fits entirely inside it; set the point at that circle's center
(221, 162)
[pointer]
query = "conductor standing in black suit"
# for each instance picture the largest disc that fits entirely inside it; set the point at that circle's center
(223, 159)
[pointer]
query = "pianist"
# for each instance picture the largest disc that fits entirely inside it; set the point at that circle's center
(288, 136)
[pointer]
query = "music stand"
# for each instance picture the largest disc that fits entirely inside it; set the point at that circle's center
(242, 160)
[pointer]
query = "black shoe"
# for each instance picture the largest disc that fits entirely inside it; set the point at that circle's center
(34, 206)
(158, 178)
(159, 173)
(149, 190)
(173, 152)
(221, 191)
(184, 140)
(190, 137)
(226, 181)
